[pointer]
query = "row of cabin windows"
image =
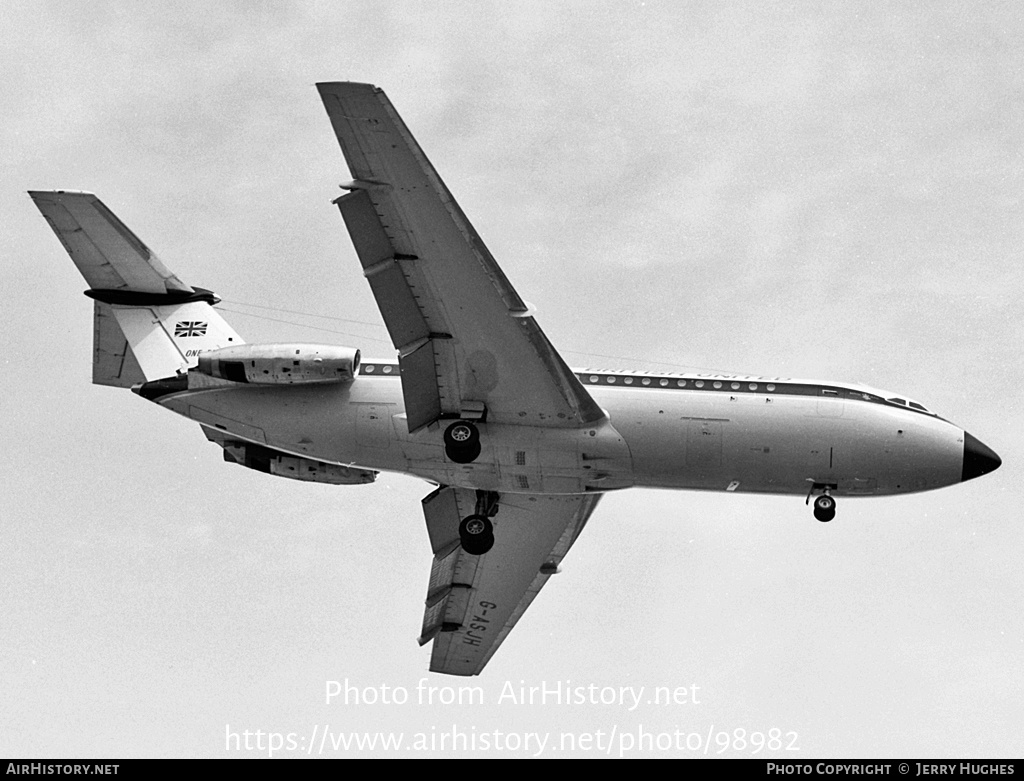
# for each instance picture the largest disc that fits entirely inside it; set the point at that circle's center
(370, 368)
(665, 382)
(611, 379)
(803, 390)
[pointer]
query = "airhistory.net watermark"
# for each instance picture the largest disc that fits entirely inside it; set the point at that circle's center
(512, 694)
(321, 740)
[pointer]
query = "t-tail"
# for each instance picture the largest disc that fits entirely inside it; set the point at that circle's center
(149, 325)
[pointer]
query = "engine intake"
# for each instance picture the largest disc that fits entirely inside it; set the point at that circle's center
(281, 364)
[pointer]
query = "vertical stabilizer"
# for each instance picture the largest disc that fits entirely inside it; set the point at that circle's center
(148, 324)
(113, 363)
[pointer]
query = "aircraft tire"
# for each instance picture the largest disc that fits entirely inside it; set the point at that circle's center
(462, 442)
(478, 547)
(824, 508)
(477, 534)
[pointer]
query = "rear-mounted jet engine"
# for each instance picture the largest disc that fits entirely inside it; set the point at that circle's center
(281, 364)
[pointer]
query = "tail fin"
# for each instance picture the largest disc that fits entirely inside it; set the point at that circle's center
(149, 325)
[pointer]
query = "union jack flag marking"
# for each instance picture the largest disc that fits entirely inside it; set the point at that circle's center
(189, 328)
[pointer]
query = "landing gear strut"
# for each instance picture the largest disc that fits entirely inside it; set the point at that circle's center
(476, 532)
(462, 442)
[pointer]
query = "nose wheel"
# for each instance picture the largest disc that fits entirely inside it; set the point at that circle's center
(824, 508)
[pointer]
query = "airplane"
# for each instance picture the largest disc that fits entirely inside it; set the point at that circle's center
(478, 402)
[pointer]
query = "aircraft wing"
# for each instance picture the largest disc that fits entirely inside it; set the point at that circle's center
(466, 340)
(474, 601)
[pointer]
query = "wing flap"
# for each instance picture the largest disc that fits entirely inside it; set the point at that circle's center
(441, 511)
(405, 321)
(419, 388)
(473, 602)
(381, 266)
(368, 236)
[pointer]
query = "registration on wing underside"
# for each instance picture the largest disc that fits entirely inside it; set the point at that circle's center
(465, 338)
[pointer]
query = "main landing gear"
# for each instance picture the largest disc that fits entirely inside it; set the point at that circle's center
(476, 531)
(477, 535)
(824, 505)
(462, 442)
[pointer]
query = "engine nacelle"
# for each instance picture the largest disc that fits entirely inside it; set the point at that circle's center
(274, 462)
(281, 364)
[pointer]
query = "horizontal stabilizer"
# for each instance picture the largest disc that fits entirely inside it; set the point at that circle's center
(107, 253)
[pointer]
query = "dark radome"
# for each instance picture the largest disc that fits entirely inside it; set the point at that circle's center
(979, 459)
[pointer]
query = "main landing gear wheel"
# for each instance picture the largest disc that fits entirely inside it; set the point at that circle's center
(462, 442)
(824, 508)
(477, 535)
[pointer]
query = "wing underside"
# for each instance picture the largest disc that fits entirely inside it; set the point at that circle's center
(474, 601)
(466, 341)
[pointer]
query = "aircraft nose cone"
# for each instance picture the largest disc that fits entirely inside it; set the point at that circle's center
(979, 459)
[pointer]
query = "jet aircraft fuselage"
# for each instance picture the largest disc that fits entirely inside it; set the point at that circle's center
(699, 432)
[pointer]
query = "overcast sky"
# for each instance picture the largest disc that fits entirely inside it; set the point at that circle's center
(806, 189)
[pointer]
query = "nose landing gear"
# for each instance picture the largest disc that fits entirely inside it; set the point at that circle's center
(824, 508)
(824, 505)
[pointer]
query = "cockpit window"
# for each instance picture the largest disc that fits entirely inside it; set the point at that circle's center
(911, 404)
